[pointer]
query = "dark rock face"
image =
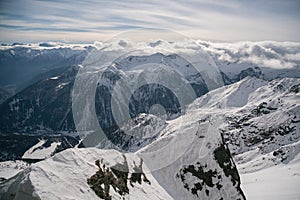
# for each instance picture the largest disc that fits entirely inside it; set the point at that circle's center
(117, 178)
(206, 178)
(223, 157)
(204, 175)
(155, 94)
(295, 88)
(253, 72)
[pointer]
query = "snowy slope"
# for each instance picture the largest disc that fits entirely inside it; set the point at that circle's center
(191, 144)
(64, 177)
(39, 152)
(11, 168)
(261, 116)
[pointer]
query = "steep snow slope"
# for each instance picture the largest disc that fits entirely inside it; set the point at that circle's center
(139, 132)
(191, 158)
(64, 176)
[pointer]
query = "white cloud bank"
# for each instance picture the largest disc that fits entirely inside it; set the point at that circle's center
(279, 55)
(270, 54)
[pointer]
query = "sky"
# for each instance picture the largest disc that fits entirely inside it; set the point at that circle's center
(98, 20)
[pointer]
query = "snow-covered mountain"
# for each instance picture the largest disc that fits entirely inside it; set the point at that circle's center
(260, 116)
(259, 121)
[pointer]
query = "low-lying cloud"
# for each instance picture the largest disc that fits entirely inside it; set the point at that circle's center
(279, 55)
(276, 55)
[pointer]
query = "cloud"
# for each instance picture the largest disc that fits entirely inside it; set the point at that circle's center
(277, 55)
(267, 54)
(293, 57)
(218, 20)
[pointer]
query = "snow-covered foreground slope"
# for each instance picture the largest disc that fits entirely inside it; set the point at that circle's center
(190, 157)
(64, 176)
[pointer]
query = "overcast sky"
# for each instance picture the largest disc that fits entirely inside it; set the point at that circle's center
(88, 21)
